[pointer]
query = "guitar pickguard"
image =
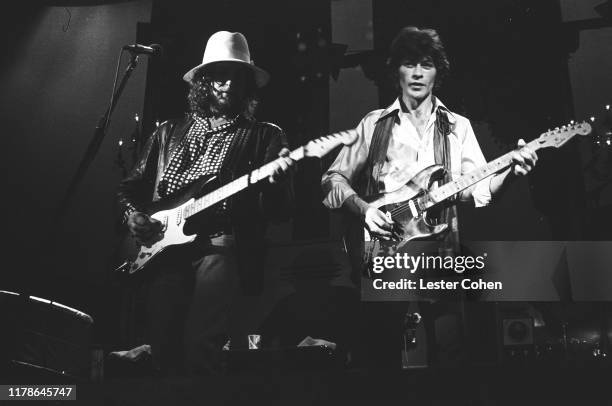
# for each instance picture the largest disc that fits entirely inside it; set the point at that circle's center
(411, 222)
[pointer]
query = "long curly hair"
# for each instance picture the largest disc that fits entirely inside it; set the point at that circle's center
(200, 94)
(414, 44)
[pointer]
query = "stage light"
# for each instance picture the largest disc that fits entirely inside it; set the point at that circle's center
(39, 299)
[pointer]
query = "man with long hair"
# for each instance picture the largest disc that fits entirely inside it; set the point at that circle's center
(191, 287)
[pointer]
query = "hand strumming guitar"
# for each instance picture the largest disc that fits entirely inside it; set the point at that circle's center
(142, 227)
(378, 224)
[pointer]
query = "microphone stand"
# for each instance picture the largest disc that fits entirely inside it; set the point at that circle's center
(48, 240)
(94, 145)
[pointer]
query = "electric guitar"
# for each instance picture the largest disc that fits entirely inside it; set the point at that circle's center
(408, 206)
(174, 213)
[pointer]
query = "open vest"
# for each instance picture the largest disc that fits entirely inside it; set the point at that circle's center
(371, 181)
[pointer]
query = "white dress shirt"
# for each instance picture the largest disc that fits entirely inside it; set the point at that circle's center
(408, 153)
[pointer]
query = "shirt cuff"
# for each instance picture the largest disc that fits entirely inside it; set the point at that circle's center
(482, 192)
(129, 209)
(337, 196)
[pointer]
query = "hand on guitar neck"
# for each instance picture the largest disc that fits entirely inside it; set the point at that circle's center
(523, 161)
(284, 164)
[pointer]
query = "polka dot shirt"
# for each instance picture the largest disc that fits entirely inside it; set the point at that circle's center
(201, 153)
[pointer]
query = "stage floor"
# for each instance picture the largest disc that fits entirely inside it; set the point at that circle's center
(499, 385)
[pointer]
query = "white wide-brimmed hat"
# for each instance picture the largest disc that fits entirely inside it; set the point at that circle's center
(224, 46)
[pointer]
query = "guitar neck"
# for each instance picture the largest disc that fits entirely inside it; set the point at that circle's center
(237, 185)
(452, 188)
(315, 148)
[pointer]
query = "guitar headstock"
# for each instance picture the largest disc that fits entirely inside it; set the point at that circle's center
(559, 136)
(322, 146)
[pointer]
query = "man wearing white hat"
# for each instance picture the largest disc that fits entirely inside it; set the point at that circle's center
(191, 288)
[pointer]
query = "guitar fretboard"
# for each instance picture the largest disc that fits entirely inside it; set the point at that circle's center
(236, 186)
(452, 188)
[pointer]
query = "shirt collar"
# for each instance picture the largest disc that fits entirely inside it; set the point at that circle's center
(395, 108)
(205, 122)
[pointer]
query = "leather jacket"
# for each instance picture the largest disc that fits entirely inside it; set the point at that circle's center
(249, 211)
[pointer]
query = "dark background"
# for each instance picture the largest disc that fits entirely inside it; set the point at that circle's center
(510, 76)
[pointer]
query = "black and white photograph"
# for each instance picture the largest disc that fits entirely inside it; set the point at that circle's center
(298, 202)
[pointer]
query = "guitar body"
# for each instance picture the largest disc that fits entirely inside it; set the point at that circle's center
(411, 223)
(175, 230)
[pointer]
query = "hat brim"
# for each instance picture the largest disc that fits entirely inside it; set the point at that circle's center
(261, 76)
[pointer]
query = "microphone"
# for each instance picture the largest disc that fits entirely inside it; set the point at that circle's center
(153, 49)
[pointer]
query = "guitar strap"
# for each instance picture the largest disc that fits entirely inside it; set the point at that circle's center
(371, 183)
(442, 156)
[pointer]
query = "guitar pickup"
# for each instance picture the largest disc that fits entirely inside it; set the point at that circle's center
(413, 209)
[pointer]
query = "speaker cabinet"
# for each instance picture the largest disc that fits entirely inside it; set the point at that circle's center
(518, 342)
